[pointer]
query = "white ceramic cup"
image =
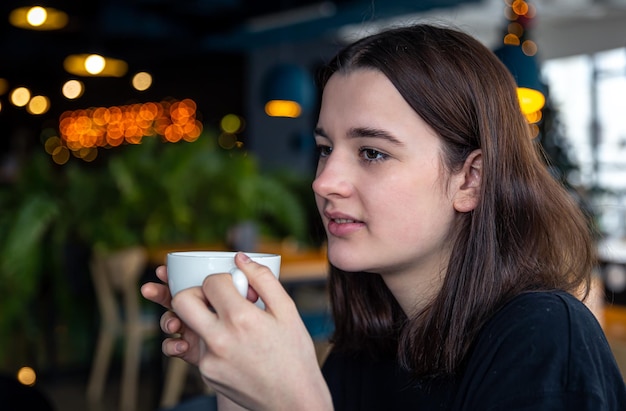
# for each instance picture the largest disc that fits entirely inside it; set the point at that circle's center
(187, 269)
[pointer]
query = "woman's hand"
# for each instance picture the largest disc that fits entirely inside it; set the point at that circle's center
(183, 343)
(261, 359)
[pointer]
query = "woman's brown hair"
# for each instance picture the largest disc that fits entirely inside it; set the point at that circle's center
(527, 233)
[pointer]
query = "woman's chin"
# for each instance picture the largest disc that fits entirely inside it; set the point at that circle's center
(346, 264)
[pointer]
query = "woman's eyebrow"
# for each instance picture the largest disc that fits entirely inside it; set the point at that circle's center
(360, 132)
(364, 132)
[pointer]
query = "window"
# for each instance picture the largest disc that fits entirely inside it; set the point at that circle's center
(589, 94)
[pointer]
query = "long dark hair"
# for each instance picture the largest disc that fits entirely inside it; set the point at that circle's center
(526, 233)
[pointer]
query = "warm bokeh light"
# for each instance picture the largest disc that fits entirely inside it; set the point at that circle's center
(113, 126)
(520, 7)
(142, 81)
(61, 155)
(51, 144)
(529, 47)
(531, 12)
(535, 117)
(20, 96)
(73, 89)
(27, 376)
(510, 15)
(88, 154)
(38, 105)
(530, 100)
(94, 64)
(283, 108)
(38, 18)
(231, 123)
(516, 29)
(511, 40)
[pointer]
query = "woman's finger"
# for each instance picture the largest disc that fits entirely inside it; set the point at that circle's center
(161, 273)
(157, 293)
(266, 285)
(191, 306)
(222, 294)
(174, 347)
(170, 323)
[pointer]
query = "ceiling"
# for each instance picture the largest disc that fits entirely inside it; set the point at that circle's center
(149, 33)
(561, 28)
(209, 39)
(146, 30)
(206, 39)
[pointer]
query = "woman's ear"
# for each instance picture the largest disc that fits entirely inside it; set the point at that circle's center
(467, 183)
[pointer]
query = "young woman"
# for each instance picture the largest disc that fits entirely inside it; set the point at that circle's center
(458, 262)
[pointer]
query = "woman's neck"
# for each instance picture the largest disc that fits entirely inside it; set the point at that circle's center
(413, 288)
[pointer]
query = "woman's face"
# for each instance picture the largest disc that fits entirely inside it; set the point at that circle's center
(380, 185)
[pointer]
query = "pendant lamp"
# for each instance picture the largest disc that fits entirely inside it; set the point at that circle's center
(525, 70)
(38, 18)
(94, 65)
(288, 90)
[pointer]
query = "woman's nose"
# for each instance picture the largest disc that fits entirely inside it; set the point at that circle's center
(332, 178)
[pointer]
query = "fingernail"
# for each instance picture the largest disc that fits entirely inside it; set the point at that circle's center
(167, 325)
(179, 347)
(244, 258)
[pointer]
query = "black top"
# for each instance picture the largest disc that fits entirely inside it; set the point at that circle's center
(541, 351)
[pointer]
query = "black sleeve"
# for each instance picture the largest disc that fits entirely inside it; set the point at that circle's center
(544, 351)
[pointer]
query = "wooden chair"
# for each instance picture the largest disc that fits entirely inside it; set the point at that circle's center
(116, 280)
(174, 384)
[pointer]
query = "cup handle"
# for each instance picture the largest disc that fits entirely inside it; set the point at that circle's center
(240, 280)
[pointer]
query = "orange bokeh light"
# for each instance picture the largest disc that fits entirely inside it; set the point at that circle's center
(113, 126)
(520, 7)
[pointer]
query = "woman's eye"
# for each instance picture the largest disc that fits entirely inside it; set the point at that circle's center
(372, 155)
(324, 151)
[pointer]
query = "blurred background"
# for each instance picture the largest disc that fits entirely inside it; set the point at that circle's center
(129, 128)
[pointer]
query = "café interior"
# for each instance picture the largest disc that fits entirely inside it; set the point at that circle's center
(132, 128)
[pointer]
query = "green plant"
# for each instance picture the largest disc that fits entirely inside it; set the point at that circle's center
(189, 192)
(154, 194)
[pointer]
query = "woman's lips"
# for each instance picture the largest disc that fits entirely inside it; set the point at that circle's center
(341, 227)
